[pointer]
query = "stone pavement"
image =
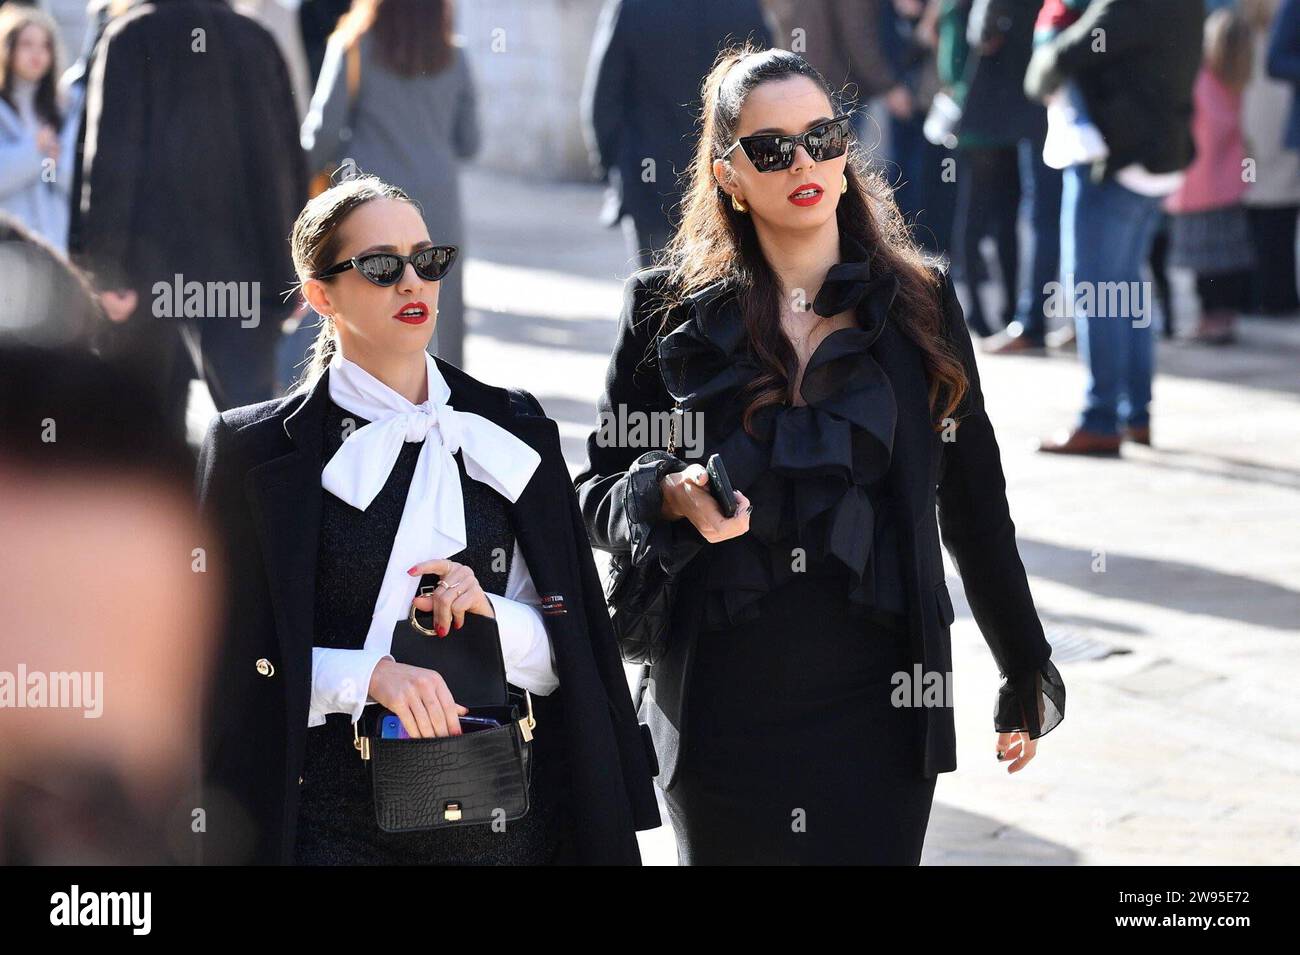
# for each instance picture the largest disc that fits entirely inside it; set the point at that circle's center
(1167, 582)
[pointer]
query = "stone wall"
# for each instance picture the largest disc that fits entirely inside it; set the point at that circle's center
(529, 59)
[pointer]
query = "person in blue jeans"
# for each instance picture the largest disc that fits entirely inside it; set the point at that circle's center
(1139, 95)
(1106, 235)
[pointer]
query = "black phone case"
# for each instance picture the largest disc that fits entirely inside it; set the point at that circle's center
(720, 486)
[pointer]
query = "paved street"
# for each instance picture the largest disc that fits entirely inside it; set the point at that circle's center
(1181, 742)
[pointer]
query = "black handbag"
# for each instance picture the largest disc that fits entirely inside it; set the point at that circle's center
(479, 777)
(641, 595)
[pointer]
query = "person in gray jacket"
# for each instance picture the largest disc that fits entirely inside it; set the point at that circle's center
(410, 120)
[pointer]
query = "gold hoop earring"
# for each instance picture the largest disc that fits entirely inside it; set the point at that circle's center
(845, 188)
(738, 204)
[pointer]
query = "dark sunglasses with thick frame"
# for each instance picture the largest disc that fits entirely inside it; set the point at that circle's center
(384, 269)
(770, 152)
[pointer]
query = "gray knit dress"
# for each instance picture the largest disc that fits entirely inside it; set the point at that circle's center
(411, 131)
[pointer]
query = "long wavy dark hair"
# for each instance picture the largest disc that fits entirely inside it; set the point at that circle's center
(715, 242)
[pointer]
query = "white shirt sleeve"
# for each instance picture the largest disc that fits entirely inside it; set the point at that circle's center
(340, 681)
(525, 644)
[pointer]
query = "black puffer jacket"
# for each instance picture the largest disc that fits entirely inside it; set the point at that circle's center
(1135, 62)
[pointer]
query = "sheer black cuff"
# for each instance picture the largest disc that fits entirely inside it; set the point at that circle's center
(1033, 702)
(653, 537)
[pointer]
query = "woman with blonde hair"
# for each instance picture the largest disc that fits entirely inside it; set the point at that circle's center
(389, 464)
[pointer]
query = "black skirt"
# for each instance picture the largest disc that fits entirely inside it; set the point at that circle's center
(336, 816)
(795, 752)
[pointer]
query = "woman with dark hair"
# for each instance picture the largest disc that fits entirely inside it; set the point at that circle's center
(802, 707)
(36, 138)
(390, 463)
(396, 97)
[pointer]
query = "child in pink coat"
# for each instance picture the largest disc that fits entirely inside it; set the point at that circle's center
(1209, 230)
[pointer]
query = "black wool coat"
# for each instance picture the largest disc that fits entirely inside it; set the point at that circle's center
(259, 487)
(191, 162)
(956, 487)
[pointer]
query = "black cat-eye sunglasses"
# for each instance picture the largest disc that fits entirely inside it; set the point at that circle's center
(770, 152)
(386, 268)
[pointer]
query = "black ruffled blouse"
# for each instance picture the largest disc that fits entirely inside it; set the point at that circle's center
(815, 473)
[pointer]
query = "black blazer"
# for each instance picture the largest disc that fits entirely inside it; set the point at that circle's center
(259, 486)
(642, 95)
(963, 477)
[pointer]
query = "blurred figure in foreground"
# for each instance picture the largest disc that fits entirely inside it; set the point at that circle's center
(108, 607)
(108, 617)
(43, 300)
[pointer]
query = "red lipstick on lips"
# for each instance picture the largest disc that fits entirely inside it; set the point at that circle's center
(813, 196)
(416, 313)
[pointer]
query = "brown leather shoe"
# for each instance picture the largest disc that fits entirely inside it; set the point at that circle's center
(1140, 435)
(1216, 327)
(1014, 345)
(1080, 441)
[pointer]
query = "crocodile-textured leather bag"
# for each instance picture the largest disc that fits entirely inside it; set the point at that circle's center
(475, 778)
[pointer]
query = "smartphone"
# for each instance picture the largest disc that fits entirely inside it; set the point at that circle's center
(469, 724)
(720, 486)
(391, 726)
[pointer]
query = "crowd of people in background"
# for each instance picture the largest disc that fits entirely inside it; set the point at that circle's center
(1049, 149)
(1042, 147)
(150, 165)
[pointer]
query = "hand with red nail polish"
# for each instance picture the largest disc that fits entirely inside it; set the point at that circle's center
(420, 698)
(457, 593)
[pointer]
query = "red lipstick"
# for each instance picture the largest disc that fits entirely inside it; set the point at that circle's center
(809, 194)
(416, 313)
